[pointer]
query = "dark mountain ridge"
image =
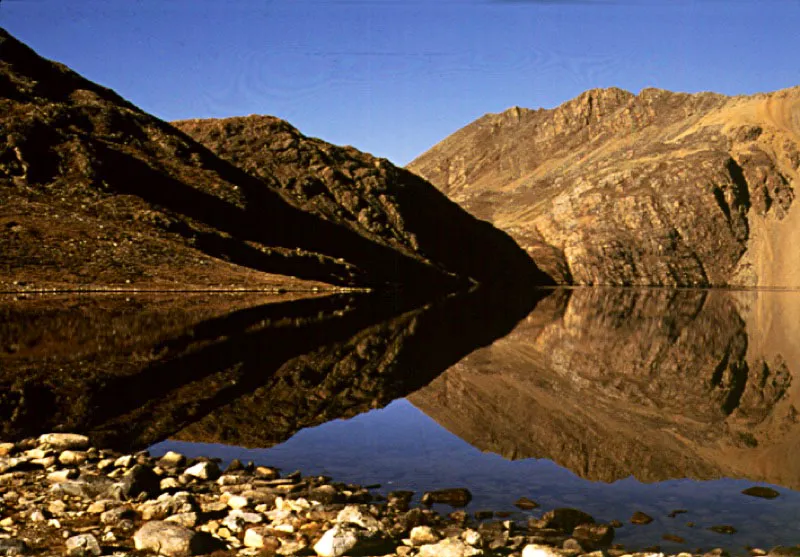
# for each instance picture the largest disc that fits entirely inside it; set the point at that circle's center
(97, 193)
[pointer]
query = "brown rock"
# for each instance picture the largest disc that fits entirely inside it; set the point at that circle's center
(641, 518)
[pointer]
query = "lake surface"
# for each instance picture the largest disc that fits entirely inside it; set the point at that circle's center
(609, 400)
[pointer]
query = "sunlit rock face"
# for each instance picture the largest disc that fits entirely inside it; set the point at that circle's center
(654, 384)
(658, 188)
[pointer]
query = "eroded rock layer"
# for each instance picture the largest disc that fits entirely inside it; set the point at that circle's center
(658, 188)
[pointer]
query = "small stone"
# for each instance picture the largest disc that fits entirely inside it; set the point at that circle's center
(83, 546)
(336, 542)
(139, 479)
(238, 502)
(37, 516)
(189, 520)
(101, 506)
(761, 491)
(168, 483)
(526, 504)
(173, 540)
(472, 537)
(64, 441)
(563, 519)
(206, 470)
(536, 550)
(105, 464)
(235, 465)
(421, 535)
(266, 472)
(641, 518)
(57, 507)
(723, 529)
(594, 536)
(673, 538)
(572, 544)
(7, 448)
(354, 515)
(115, 515)
(455, 497)
(61, 476)
(260, 537)
(124, 461)
(450, 547)
(172, 460)
(72, 458)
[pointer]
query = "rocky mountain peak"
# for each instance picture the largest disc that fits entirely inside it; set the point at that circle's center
(659, 188)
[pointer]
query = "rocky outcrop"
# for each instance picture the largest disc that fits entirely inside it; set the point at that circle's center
(97, 193)
(654, 384)
(658, 188)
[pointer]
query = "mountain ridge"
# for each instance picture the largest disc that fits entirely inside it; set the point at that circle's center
(657, 188)
(99, 194)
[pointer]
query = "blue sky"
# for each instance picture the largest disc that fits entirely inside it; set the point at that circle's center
(394, 77)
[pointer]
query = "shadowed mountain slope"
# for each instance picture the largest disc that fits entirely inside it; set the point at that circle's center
(98, 193)
(658, 188)
(367, 195)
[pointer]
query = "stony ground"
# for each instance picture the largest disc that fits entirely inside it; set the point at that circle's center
(62, 497)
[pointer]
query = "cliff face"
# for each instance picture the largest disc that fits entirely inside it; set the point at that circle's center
(654, 384)
(97, 193)
(658, 188)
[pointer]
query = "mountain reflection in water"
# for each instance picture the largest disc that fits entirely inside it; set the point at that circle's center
(132, 371)
(657, 384)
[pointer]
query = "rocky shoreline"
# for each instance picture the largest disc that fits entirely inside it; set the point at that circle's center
(61, 496)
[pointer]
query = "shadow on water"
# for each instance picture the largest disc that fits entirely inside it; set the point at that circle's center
(130, 372)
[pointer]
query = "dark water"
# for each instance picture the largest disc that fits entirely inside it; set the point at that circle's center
(609, 400)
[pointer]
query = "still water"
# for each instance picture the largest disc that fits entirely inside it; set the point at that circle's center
(612, 400)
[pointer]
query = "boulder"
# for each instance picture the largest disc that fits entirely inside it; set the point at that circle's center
(173, 540)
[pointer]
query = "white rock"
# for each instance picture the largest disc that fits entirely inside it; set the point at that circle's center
(471, 537)
(536, 550)
(172, 459)
(168, 483)
(336, 542)
(124, 461)
(450, 547)
(352, 514)
(64, 441)
(206, 470)
(421, 535)
(256, 537)
(238, 502)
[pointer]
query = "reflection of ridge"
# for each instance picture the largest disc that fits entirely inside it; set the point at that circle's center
(251, 376)
(611, 383)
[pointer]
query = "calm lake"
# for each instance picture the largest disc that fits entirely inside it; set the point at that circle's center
(609, 400)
